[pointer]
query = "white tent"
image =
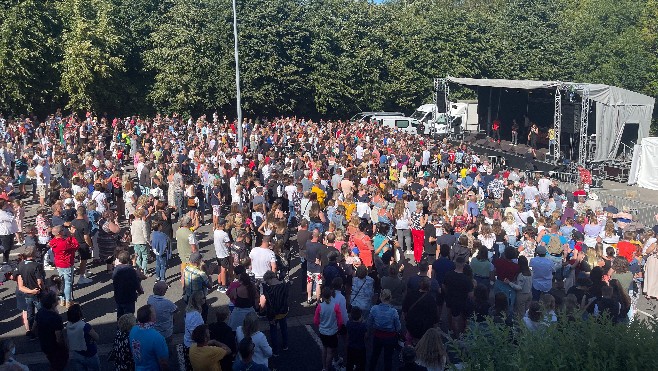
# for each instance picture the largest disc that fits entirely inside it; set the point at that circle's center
(646, 163)
(615, 107)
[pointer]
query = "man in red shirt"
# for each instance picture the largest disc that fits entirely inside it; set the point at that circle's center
(506, 269)
(64, 246)
(625, 248)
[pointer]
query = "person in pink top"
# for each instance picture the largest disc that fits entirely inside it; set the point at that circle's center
(329, 320)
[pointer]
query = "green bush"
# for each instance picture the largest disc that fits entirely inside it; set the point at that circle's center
(589, 344)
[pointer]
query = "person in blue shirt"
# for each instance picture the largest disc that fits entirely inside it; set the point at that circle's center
(383, 159)
(147, 345)
(245, 362)
(542, 273)
(443, 264)
(384, 323)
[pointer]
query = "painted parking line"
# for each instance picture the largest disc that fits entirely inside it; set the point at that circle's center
(315, 336)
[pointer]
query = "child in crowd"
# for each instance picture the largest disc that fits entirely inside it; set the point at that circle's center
(356, 341)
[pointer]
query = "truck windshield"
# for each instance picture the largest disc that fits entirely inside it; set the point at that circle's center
(419, 115)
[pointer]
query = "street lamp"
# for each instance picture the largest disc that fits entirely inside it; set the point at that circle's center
(237, 76)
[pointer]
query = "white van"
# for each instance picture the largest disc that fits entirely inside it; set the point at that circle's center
(404, 124)
(369, 116)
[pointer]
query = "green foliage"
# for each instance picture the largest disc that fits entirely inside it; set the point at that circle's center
(592, 344)
(92, 57)
(309, 57)
(28, 53)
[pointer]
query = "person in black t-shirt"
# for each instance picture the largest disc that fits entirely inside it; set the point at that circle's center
(457, 287)
(127, 285)
(507, 195)
(429, 243)
(222, 332)
(49, 327)
(30, 283)
(420, 309)
(82, 233)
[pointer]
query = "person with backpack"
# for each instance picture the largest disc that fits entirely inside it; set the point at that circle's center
(275, 301)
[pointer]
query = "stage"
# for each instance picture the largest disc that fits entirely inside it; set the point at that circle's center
(511, 156)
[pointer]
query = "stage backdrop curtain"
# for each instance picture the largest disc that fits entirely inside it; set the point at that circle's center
(648, 173)
(614, 107)
(612, 119)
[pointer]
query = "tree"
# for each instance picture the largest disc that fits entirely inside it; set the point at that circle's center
(29, 53)
(92, 58)
(191, 57)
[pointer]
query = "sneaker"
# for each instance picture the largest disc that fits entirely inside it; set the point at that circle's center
(308, 303)
(84, 280)
(69, 304)
(48, 267)
(30, 335)
(222, 289)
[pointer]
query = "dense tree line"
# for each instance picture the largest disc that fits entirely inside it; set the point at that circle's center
(308, 57)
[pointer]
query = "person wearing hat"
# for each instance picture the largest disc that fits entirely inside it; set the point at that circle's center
(186, 240)
(195, 279)
(593, 202)
(542, 272)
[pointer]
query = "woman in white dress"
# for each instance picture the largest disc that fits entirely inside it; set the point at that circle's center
(650, 252)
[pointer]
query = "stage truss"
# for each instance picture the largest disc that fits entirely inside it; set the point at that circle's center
(442, 86)
(557, 123)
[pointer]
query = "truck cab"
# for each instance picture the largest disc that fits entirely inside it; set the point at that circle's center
(463, 116)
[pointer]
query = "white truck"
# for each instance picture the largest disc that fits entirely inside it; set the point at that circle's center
(463, 116)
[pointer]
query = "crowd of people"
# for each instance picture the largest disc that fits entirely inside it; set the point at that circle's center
(403, 241)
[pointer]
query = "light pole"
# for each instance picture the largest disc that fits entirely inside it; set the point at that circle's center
(237, 76)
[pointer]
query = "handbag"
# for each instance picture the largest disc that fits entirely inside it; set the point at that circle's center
(349, 305)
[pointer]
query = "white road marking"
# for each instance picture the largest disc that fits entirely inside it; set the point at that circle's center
(645, 313)
(315, 336)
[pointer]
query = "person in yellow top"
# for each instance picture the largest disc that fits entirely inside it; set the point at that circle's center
(205, 354)
(393, 174)
(319, 192)
(349, 207)
(551, 140)
(463, 172)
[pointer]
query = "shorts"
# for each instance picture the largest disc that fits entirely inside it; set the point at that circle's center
(41, 191)
(85, 252)
(431, 258)
(216, 209)
(224, 262)
(457, 307)
(314, 277)
(21, 304)
(329, 341)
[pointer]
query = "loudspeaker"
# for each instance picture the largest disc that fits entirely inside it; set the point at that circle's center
(521, 149)
(571, 118)
(441, 101)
